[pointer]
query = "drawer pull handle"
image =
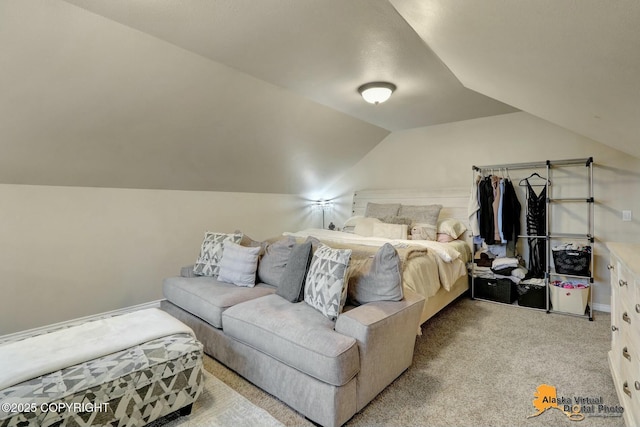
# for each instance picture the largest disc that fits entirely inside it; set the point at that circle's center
(626, 317)
(626, 354)
(614, 328)
(625, 388)
(637, 385)
(637, 308)
(622, 283)
(609, 267)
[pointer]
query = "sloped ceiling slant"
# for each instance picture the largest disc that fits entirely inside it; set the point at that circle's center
(90, 102)
(574, 63)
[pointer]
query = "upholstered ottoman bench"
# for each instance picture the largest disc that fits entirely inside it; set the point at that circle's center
(125, 370)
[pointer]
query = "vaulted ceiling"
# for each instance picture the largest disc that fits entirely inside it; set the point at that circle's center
(260, 96)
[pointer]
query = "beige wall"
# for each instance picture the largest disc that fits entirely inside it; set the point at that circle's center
(442, 155)
(69, 252)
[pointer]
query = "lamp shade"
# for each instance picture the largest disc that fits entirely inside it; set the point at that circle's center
(376, 92)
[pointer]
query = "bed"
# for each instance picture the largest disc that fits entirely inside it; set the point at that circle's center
(434, 270)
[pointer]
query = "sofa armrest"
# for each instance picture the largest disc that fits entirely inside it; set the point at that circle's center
(386, 336)
(187, 271)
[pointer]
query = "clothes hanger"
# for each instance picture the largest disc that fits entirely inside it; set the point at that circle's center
(535, 174)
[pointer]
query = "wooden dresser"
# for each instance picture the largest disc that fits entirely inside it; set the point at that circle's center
(624, 357)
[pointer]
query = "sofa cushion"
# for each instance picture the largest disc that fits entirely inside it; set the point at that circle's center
(291, 285)
(297, 335)
(274, 261)
(326, 288)
(378, 279)
(239, 264)
(208, 262)
(207, 297)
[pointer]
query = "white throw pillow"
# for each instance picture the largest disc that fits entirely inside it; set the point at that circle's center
(364, 226)
(390, 231)
(239, 264)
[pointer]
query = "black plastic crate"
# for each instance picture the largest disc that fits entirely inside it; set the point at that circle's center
(575, 262)
(534, 296)
(500, 290)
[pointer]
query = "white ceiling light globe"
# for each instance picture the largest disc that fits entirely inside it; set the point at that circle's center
(376, 92)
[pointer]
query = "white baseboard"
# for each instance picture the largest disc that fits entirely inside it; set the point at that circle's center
(602, 307)
(36, 331)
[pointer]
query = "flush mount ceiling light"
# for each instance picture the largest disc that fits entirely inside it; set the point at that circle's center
(376, 92)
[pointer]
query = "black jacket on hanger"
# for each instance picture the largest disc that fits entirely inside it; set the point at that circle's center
(485, 198)
(511, 209)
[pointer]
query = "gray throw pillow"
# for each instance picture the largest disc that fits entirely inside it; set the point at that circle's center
(424, 220)
(383, 280)
(381, 210)
(291, 286)
(274, 261)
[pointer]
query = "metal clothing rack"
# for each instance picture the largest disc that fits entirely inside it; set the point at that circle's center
(549, 166)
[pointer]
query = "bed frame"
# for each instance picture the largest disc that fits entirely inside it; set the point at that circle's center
(454, 201)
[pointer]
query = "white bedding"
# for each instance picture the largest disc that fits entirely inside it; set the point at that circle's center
(445, 251)
(442, 267)
(43, 354)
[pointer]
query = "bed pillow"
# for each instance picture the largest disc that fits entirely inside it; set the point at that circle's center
(208, 262)
(379, 280)
(239, 264)
(390, 231)
(326, 288)
(291, 286)
(452, 227)
(444, 238)
(364, 226)
(396, 220)
(352, 221)
(273, 262)
(381, 210)
(424, 220)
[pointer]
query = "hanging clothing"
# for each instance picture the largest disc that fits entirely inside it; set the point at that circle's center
(536, 226)
(510, 212)
(474, 207)
(485, 196)
(495, 186)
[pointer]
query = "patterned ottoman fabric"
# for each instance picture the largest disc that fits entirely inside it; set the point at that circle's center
(132, 387)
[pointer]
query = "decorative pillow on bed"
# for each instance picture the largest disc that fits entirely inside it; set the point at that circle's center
(444, 238)
(390, 231)
(452, 227)
(381, 210)
(397, 220)
(364, 226)
(208, 263)
(291, 285)
(274, 261)
(425, 220)
(239, 264)
(326, 288)
(376, 280)
(350, 224)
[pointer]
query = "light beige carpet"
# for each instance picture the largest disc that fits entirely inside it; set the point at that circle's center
(480, 363)
(220, 406)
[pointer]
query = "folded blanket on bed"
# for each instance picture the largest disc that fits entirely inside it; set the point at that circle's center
(443, 250)
(424, 270)
(43, 354)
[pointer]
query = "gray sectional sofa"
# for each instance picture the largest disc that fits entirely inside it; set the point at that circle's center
(326, 370)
